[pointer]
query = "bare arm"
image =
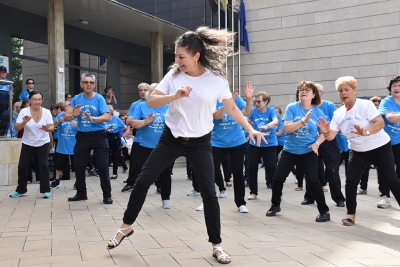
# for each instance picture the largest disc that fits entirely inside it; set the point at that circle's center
(377, 125)
(326, 130)
(158, 99)
(279, 133)
(392, 117)
(217, 115)
(290, 126)
(249, 89)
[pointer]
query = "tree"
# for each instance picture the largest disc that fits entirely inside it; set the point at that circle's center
(17, 46)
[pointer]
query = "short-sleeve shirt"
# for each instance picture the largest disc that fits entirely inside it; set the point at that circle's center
(327, 108)
(298, 142)
(116, 124)
(130, 113)
(33, 135)
(95, 106)
(25, 94)
(151, 133)
(227, 132)
(281, 139)
(55, 132)
(392, 129)
(362, 113)
(66, 138)
(192, 116)
(260, 119)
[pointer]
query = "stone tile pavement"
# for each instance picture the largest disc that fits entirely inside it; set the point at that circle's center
(55, 232)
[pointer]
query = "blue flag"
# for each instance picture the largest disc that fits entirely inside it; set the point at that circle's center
(244, 39)
(102, 61)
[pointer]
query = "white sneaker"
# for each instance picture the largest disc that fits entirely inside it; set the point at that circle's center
(243, 209)
(384, 203)
(166, 204)
(222, 194)
(252, 197)
(200, 208)
(193, 193)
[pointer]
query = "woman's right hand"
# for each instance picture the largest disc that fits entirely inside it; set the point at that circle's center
(323, 125)
(183, 91)
(307, 117)
(26, 119)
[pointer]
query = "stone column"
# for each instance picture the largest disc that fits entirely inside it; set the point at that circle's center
(156, 57)
(55, 31)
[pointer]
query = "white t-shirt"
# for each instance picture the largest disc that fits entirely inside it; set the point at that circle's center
(362, 113)
(193, 116)
(33, 135)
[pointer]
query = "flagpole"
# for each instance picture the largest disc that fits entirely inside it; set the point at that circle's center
(226, 28)
(219, 15)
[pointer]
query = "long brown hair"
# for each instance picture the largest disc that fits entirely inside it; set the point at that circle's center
(308, 84)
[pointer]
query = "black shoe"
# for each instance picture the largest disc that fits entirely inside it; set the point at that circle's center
(107, 200)
(340, 204)
(307, 202)
(77, 198)
(127, 188)
(323, 217)
(273, 210)
(114, 176)
(124, 181)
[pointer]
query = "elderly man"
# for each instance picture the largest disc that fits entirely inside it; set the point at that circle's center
(91, 110)
(330, 154)
(134, 158)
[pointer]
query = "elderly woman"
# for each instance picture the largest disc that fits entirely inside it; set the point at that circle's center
(113, 127)
(17, 109)
(361, 123)
(37, 122)
(301, 146)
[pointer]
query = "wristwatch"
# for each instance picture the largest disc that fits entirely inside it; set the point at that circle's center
(367, 132)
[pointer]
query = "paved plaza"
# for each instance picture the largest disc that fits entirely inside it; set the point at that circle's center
(55, 232)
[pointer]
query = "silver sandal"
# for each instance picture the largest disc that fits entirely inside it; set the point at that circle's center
(114, 239)
(222, 256)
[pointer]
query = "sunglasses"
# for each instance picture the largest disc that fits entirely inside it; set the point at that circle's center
(30, 83)
(87, 82)
(258, 101)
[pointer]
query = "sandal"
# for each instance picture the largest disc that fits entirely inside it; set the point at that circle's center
(222, 256)
(114, 239)
(298, 188)
(228, 184)
(349, 221)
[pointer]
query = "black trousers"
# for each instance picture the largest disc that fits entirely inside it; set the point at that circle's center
(133, 164)
(268, 154)
(364, 176)
(168, 149)
(330, 153)
(310, 163)
(383, 187)
(358, 162)
(236, 156)
(27, 153)
(84, 144)
(165, 176)
(114, 144)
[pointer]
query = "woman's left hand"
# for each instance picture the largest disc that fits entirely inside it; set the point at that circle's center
(359, 130)
(256, 134)
(45, 128)
(314, 148)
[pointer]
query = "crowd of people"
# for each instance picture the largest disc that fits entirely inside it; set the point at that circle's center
(192, 113)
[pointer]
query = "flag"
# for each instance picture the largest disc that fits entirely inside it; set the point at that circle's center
(102, 60)
(244, 39)
(214, 5)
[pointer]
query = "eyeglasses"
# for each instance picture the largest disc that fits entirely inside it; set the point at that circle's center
(258, 101)
(88, 82)
(36, 100)
(30, 83)
(307, 90)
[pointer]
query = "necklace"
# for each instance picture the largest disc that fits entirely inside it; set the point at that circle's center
(302, 110)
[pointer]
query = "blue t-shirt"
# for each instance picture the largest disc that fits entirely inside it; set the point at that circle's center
(327, 108)
(14, 132)
(122, 142)
(392, 129)
(150, 133)
(297, 142)
(66, 138)
(25, 94)
(130, 113)
(342, 142)
(281, 139)
(55, 132)
(227, 132)
(116, 124)
(95, 106)
(260, 119)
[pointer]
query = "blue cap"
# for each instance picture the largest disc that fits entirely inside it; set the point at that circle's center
(2, 68)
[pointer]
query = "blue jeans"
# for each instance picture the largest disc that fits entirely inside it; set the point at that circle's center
(168, 149)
